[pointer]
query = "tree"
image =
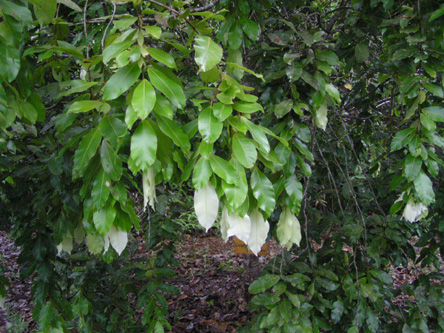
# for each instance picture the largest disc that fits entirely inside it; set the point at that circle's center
(274, 112)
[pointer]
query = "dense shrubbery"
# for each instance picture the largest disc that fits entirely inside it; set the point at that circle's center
(316, 121)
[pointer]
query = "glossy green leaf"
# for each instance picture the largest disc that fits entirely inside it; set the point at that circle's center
(245, 107)
(163, 57)
(87, 149)
(115, 49)
(103, 219)
(223, 169)
(9, 62)
(144, 145)
(77, 86)
(110, 161)
(222, 111)
(101, 189)
(244, 150)
(85, 106)
(209, 127)
(208, 53)
(121, 81)
(382, 276)
(424, 188)
(293, 188)
(437, 14)
(237, 193)
(171, 129)
(263, 191)
(401, 139)
(412, 167)
(436, 113)
(144, 99)
(258, 134)
(263, 283)
(201, 173)
(169, 87)
(44, 10)
(113, 129)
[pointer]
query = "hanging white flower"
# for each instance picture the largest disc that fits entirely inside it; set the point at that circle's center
(289, 229)
(259, 231)
(224, 224)
(117, 238)
(206, 206)
(149, 188)
(239, 227)
(413, 212)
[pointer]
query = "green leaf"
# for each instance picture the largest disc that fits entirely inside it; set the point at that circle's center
(44, 10)
(121, 81)
(333, 92)
(169, 87)
(437, 14)
(103, 219)
(412, 166)
(85, 106)
(110, 161)
(223, 169)
(235, 36)
(19, 13)
(171, 129)
(9, 62)
(144, 99)
(258, 134)
(283, 108)
(435, 90)
(244, 150)
(435, 113)
(201, 173)
(209, 127)
(372, 320)
(115, 49)
(263, 191)
(70, 4)
(100, 191)
(87, 149)
(263, 283)
(401, 139)
(247, 107)
(77, 86)
(424, 188)
(361, 52)
(222, 111)
(321, 117)
(382, 276)
(144, 146)
(337, 311)
(112, 129)
(208, 53)
(293, 188)
(237, 193)
(163, 57)
(250, 28)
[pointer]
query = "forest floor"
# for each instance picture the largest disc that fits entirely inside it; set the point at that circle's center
(212, 281)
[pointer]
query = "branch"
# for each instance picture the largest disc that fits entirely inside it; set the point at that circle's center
(85, 29)
(107, 27)
(171, 9)
(206, 7)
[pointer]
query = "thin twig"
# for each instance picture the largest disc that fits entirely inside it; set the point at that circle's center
(107, 27)
(171, 9)
(85, 29)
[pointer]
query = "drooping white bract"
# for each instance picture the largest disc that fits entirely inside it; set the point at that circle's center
(224, 224)
(149, 188)
(117, 238)
(206, 205)
(413, 212)
(2, 301)
(65, 245)
(259, 231)
(239, 227)
(289, 229)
